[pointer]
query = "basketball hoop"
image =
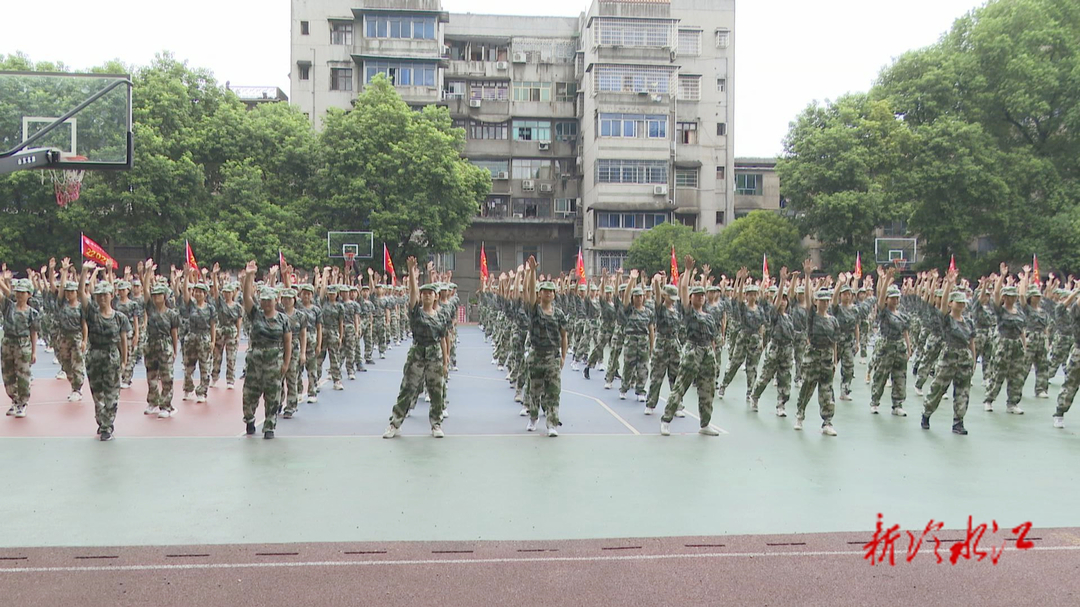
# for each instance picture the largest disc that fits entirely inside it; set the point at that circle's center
(901, 263)
(68, 182)
(350, 259)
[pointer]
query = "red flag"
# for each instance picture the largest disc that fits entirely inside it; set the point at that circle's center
(674, 266)
(93, 251)
(580, 266)
(858, 265)
(191, 263)
(281, 259)
(1035, 270)
(388, 265)
(483, 263)
(764, 268)
(952, 263)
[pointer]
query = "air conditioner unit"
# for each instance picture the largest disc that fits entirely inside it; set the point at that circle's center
(657, 98)
(502, 65)
(544, 146)
(528, 185)
(545, 187)
(474, 103)
(445, 50)
(519, 58)
(502, 175)
(590, 236)
(659, 190)
(580, 160)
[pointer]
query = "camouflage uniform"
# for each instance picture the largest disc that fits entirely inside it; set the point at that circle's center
(1072, 373)
(636, 357)
(1038, 348)
(160, 356)
(618, 339)
(892, 361)
(196, 347)
(665, 358)
(778, 359)
(332, 314)
(15, 351)
(985, 338)
(364, 350)
(1063, 339)
(799, 343)
(298, 321)
(262, 365)
(748, 348)
(351, 310)
(955, 367)
(848, 319)
(103, 362)
(718, 310)
(603, 338)
(698, 364)
(423, 367)
(934, 344)
(70, 345)
(311, 353)
(130, 309)
(382, 332)
(1011, 364)
(545, 362)
(227, 340)
(520, 333)
(823, 333)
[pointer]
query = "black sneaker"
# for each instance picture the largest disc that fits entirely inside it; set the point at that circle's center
(958, 428)
(250, 428)
(287, 415)
(587, 373)
(369, 362)
(268, 434)
(106, 436)
(925, 423)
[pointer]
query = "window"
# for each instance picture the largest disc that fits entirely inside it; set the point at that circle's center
(341, 79)
(719, 173)
(532, 91)
(443, 261)
(632, 32)
(686, 132)
(633, 125)
(566, 131)
(527, 251)
(454, 90)
(532, 130)
(417, 28)
(565, 91)
(686, 178)
(629, 221)
(689, 42)
(492, 254)
(723, 36)
(721, 129)
(340, 33)
(632, 171)
(490, 90)
(484, 130)
(719, 218)
(748, 184)
(305, 72)
(566, 207)
(401, 74)
(304, 28)
(633, 79)
(690, 88)
(530, 168)
(493, 166)
(721, 85)
(612, 261)
(896, 228)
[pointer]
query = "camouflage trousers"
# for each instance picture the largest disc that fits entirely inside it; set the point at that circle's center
(602, 340)
(382, 334)
(70, 353)
(159, 358)
(311, 365)
(225, 343)
(985, 343)
(1072, 383)
(293, 385)
(369, 339)
(864, 338)
(747, 351)
(1059, 352)
(798, 354)
(129, 369)
(956, 367)
(582, 345)
(15, 361)
(333, 347)
(934, 346)
(846, 349)
(545, 385)
(423, 371)
(891, 364)
(618, 339)
(517, 359)
(697, 368)
(778, 362)
(665, 363)
(1038, 356)
(142, 345)
(103, 373)
(263, 380)
(819, 371)
(197, 350)
(348, 349)
(453, 345)
(635, 363)
(1011, 366)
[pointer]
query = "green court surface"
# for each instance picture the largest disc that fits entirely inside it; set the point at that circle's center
(761, 477)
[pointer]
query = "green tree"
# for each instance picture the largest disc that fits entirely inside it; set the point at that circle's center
(748, 239)
(651, 251)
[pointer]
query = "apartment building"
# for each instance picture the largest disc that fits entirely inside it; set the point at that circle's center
(594, 128)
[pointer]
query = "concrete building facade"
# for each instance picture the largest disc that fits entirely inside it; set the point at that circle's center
(594, 128)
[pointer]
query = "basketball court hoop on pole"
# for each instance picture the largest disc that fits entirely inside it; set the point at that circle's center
(67, 183)
(898, 252)
(350, 260)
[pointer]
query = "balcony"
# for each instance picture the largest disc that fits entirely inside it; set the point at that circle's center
(479, 70)
(489, 108)
(520, 210)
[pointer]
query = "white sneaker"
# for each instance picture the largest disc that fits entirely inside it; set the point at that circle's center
(574, 366)
(1014, 409)
(501, 368)
(163, 413)
(200, 399)
(828, 430)
(600, 368)
(553, 431)
(493, 361)
(1042, 395)
(445, 412)
(641, 398)
(20, 412)
(61, 375)
(607, 386)
(899, 412)
(508, 376)
(680, 413)
(753, 405)
(989, 406)
(622, 395)
(427, 398)
(187, 396)
(12, 410)
(408, 413)
(780, 412)
(708, 431)
(391, 432)
(454, 368)
(228, 386)
(524, 412)
(352, 376)
(151, 410)
(125, 386)
(1059, 422)
(532, 422)
(436, 431)
(338, 386)
(918, 390)
(665, 429)
(56, 361)
(382, 355)
(518, 398)
(75, 397)
(312, 399)
(798, 423)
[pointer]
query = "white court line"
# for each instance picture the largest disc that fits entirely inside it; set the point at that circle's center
(606, 408)
(489, 561)
(711, 425)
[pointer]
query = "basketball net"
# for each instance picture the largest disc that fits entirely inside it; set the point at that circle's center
(350, 259)
(67, 183)
(901, 264)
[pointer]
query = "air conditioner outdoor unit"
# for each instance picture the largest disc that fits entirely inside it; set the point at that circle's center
(544, 146)
(590, 236)
(528, 185)
(445, 50)
(657, 98)
(502, 175)
(519, 58)
(474, 103)
(545, 187)
(659, 190)
(502, 65)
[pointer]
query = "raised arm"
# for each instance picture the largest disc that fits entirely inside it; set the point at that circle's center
(684, 281)
(249, 285)
(529, 294)
(946, 290)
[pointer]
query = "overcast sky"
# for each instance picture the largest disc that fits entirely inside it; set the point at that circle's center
(787, 52)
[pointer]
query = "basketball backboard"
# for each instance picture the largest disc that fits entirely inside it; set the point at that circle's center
(890, 251)
(65, 121)
(360, 244)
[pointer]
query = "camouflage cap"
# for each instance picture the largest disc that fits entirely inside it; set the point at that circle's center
(136, 282)
(159, 290)
(202, 286)
(122, 284)
(365, 287)
(773, 289)
(894, 291)
(71, 285)
(331, 288)
(1010, 291)
(750, 289)
(433, 287)
(583, 287)
(308, 288)
(697, 290)
(267, 293)
(622, 288)
(228, 288)
(290, 293)
(23, 285)
(609, 289)
(823, 294)
(637, 291)
(800, 290)
(958, 297)
(846, 289)
(713, 289)
(452, 285)
(103, 288)
(546, 286)
(594, 288)
(863, 289)
(939, 292)
(1034, 292)
(671, 291)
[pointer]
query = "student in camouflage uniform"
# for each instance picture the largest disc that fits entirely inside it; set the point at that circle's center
(18, 350)
(140, 312)
(549, 342)
(72, 343)
(823, 333)
(428, 358)
(1072, 373)
(957, 363)
(351, 318)
(751, 318)
(130, 308)
(367, 311)
(107, 330)
(893, 347)
(227, 325)
(606, 326)
(1010, 366)
(1062, 332)
(1036, 341)
(864, 305)
(382, 314)
(985, 333)
(451, 304)
(162, 346)
(310, 358)
(618, 335)
(798, 322)
(269, 355)
(666, 351)
(199, 344)
(932, 321)
(717, 307)
(781, 352)
(518, 323)
(640, 335)
(333, 316)
(847, 315)
(298, 323)
(698, 362)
